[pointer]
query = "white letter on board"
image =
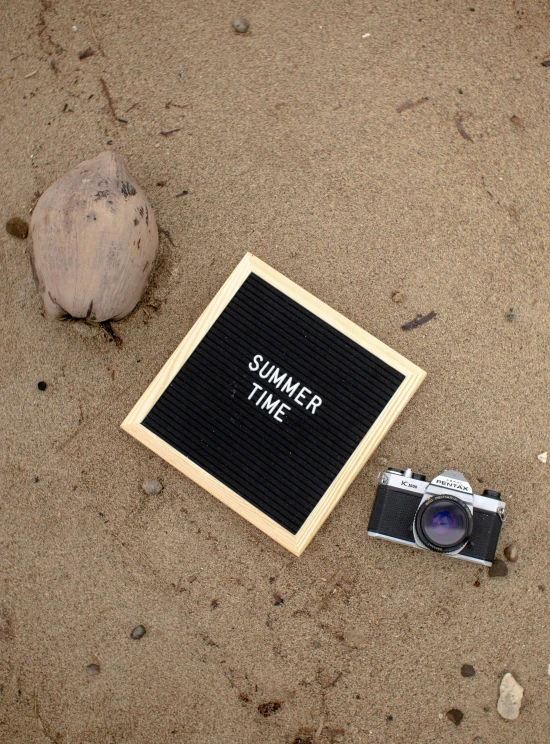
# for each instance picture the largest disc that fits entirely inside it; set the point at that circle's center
(281, 412)
(256, 387)
(315, 402)
(289, 388)
(301, 395)
(277, 378)
(270, 403)
(255, 365)
(267, 373)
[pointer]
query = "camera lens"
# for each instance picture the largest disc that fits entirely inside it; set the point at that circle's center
(443, 523)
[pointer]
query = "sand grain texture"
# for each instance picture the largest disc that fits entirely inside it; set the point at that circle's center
(287, 143)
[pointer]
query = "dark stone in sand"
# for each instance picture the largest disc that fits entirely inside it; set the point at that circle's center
(138, 632)
(17, 227)
(455, 716)
(499, 568)
(241, 25)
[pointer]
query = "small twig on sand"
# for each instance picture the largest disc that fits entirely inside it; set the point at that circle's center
(170, 131)
(88, 52)
(108, 328)
(176, 105)
(410, 104)
(109, 99)
(98, 45)
(319, 731)
(461, 130)
(419, 321)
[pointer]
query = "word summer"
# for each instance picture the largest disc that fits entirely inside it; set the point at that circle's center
(300, 394)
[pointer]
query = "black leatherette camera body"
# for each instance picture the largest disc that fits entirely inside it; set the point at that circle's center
(394, 512)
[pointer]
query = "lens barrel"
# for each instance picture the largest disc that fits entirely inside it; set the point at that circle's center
(443, 523)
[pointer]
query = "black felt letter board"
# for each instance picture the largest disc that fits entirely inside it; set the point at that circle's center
(273, 402)
(281, 465)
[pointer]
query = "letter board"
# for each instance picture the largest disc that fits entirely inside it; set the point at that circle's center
(273, 402)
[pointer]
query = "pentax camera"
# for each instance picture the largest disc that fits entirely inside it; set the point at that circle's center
(445, 515)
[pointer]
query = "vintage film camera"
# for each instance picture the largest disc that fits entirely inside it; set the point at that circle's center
(445, 516)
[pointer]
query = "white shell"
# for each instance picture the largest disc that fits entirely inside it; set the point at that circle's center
(511, 695)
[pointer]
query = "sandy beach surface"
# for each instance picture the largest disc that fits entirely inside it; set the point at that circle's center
(295, 141)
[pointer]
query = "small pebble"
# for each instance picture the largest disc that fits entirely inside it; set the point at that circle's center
(17, 227)
(477, 740)
(93, 669)
(517, 77)
(241, 25)
(42, 386)
(511, 316)
(455, 716)
(499, 568)
(460, 91)
(511, 553)
(382, 461)
(543, 457)
(398, 296)
(75, 28)
(152, 487)
(511, 695)
(467, 670)
(138, 632)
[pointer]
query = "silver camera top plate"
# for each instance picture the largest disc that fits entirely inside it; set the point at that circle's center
(441, 484)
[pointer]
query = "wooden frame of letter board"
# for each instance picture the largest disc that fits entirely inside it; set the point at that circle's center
(294, 543)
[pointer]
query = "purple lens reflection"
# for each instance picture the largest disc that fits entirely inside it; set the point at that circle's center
(445, 523)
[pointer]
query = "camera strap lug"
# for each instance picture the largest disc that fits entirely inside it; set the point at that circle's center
(501, 514)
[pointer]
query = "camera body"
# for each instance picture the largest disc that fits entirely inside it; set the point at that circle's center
(444, 516)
